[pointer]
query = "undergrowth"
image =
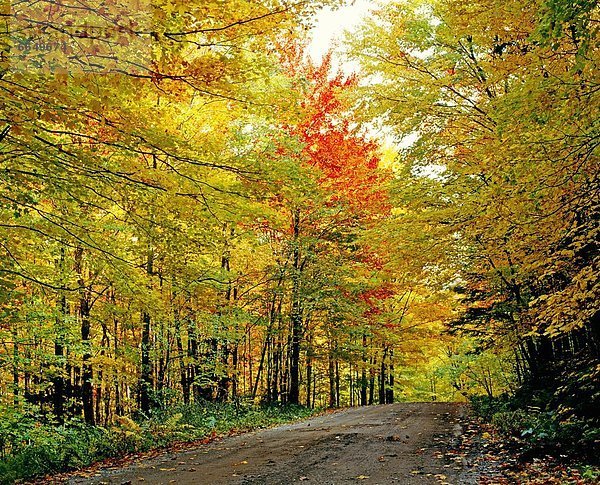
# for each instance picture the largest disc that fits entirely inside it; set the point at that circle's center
(537, 430)
(30, 446)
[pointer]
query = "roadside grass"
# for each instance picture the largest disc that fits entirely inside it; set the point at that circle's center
(31, 448)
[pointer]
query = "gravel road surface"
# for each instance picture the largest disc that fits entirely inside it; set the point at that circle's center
(409, 443)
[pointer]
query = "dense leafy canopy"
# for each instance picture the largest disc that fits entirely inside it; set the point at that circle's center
(500, 188)
(191, 210)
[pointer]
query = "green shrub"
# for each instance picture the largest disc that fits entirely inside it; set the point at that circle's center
(540, 429)
(486, 407)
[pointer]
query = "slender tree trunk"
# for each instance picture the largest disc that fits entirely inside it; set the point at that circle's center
(331, 374)
(118, 402)
(163, 357)
(185, 386)
(363, 374)
(284, 391)
(101, 376)
(277, 372)
(382, 377)
(194, 367)
(224, 380)
(372, 372)
(59, 380)
(146, 371)
(337, 383)
(296, 316)
(389, 391)
(314, 391)
(15, 364)
(87, 390)
(146, 381)
(234, 379)
(350, 384)
(308, 381)
(260, 366)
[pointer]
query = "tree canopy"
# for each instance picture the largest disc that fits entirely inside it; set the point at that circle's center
(192, 210)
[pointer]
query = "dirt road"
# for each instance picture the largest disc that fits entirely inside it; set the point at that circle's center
(398, 443)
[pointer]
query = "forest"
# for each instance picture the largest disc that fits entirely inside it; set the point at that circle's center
(196, 215)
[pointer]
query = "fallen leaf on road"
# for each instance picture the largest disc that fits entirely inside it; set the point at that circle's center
(362, 477)
(303, 478)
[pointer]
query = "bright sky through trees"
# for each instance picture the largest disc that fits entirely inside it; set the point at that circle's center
(330, 25)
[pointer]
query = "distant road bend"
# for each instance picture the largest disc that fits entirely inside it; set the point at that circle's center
(397, 443)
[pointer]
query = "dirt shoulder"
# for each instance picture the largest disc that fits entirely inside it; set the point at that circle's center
(409, 443)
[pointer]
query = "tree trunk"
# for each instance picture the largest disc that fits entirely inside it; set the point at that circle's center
(224, 380)
(15, 364)
(260, 367)
(59, 380)
(331, 374)
(337, 383)
(118, 402)
(308, 382)
(383, 378)
(372, 372)
(363, 374)
(185, 385)
(296, 316)
(389, 391)
(87, 391)
(146, 383)
(234, 377)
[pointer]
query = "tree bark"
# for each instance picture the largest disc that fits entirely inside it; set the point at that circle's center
(87, 391)
(389, 390)
(331, 375)
(363, 374)
(146, 383)
(296, 316)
